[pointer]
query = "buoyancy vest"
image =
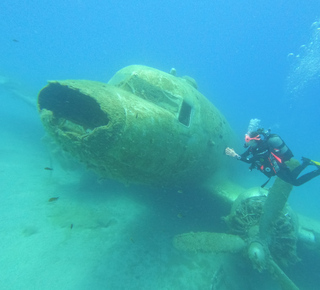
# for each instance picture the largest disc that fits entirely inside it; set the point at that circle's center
(278, 148)
(272, 155)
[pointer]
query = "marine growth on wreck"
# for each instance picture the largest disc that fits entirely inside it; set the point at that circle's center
(143, 126)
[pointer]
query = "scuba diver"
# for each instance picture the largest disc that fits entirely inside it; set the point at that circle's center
(268, 153)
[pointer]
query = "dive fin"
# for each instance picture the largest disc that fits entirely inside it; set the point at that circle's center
(311, 162)
(316, 163)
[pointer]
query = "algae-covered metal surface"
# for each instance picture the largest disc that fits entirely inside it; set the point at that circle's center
(268, 241)
(144, 126)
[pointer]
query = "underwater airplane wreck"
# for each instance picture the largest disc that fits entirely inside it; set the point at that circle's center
(143, 126)
(150, 127)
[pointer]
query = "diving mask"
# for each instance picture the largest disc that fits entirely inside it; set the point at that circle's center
(247, 138)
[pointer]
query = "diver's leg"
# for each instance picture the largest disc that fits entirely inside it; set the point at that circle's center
(295, 172)
(306, 177)
(291, 176)
(286, 175)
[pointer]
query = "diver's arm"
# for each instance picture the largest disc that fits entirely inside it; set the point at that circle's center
(230, 152)
(243, 157)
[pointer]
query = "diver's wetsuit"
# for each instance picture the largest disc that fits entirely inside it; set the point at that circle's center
(269, 157)
(291, 176)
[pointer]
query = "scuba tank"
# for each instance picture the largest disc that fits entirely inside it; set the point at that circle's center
(279, 153)
(273, 153)
(277, 146)
(279, 149)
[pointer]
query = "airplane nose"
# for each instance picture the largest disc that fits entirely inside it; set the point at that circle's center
(143, 126)
(72, 105)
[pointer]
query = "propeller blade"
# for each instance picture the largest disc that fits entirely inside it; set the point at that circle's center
(276, 272)
(209, 242)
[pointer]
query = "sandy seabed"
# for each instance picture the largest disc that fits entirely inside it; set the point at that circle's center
(66, 229)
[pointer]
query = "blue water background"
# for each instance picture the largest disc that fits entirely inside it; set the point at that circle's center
(236, 50)
(252, 59)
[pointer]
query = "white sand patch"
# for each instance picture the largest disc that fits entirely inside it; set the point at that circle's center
(91, 237)
(53, 245)
(94, 235)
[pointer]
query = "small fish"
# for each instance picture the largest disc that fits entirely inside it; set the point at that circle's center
(71, 226)
(15, 40)
(48, 168)
(180, 191)
(53, 199)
